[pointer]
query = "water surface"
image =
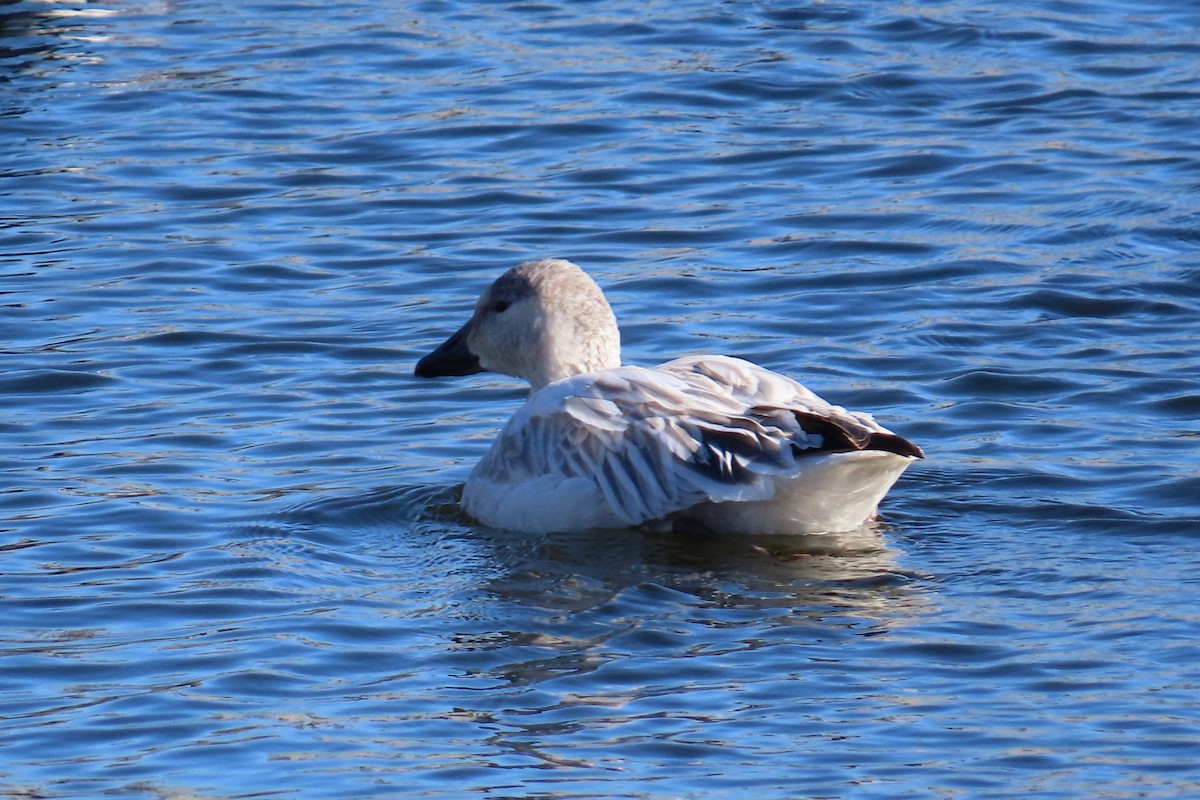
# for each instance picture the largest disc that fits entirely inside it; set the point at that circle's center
(233, 563)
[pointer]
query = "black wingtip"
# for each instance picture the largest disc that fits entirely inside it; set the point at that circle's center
(892, 443)
(844, 436)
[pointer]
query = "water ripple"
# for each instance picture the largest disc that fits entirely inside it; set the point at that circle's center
(230, 513)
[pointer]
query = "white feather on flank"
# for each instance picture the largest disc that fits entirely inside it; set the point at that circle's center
(710, 442)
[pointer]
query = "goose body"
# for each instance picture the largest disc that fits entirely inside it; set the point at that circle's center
(707, 442)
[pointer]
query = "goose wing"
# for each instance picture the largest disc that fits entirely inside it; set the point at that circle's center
(658, 441)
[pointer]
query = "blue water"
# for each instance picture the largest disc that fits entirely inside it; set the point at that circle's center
(233, 564)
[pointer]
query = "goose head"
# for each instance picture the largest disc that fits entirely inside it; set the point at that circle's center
(541, 321)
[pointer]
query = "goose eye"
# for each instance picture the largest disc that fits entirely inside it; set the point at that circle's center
(500, 307)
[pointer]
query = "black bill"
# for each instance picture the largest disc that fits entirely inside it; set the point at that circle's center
(451, 359)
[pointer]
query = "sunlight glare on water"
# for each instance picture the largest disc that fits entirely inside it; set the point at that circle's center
(234, 565)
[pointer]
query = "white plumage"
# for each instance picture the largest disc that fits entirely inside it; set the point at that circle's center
(704, 442)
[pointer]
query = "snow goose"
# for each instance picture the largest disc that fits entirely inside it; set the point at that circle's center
(705, 443)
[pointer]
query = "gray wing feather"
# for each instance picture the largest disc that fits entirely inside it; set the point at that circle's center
(658, 441)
